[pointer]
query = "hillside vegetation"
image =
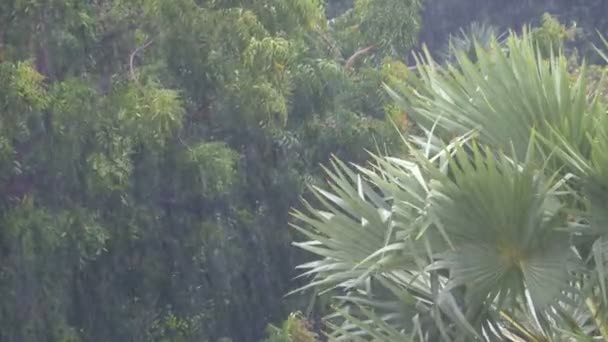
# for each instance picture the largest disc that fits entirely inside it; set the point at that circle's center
(151, 152)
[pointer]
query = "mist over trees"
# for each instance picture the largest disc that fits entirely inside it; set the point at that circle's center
(152, 151)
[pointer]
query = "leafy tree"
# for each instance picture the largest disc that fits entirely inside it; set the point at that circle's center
(150, 151)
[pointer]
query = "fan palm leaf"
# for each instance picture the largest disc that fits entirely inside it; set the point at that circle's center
(492, 229)
(505, 94)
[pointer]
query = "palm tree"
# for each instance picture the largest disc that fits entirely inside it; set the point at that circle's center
(467, 38)
(491, 228)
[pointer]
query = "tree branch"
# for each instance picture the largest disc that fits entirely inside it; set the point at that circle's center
(132, 58)
(351, 60)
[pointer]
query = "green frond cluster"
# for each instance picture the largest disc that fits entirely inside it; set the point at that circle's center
(498, 93)
(217, 165)
(492, 228)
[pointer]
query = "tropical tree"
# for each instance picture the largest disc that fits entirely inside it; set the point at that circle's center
(150, 151)
(492, 226)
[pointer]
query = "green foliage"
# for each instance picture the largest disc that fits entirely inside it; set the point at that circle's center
(476, 34)
(23, 96)
(111, 172)
(294, 329)
(171, 328)
(503, 225)
(150, 150)
(389, 26)
(349, 132)
(503, 113)
(27, 83)
(551, 36)
(491, 229)
(151, 111)
(217, 167)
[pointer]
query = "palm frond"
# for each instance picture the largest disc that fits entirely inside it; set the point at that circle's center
(493, 227)
(504, 94)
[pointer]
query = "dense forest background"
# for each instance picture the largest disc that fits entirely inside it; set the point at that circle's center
(150, 150)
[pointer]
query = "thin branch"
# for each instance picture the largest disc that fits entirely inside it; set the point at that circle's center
(132, 58)
(351, 60)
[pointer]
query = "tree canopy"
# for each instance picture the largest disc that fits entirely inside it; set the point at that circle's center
(150, 151)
